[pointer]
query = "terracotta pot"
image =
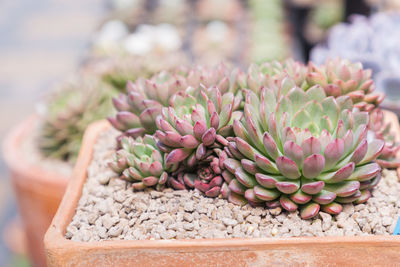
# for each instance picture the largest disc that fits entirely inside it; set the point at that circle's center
(38, 191)
(299, 251)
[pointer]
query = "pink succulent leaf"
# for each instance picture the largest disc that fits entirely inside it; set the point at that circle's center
(312, 187)
(288, 187)
(266, 194)
(309, 210)
(332, 208)
(299, 197)
(343, 189)
(287, 167)
(313, 165)
(287, 204)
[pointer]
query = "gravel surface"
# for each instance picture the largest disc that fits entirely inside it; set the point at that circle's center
(109, 210)
(33, 156)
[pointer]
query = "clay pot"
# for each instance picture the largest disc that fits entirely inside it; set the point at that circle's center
(38, 191)
(296, 251)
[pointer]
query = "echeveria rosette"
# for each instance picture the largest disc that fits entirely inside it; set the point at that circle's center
(342, 77)
(382, 130)
(141, 162)
(206, 177)
(306, 151)
(194, 127)
(337, 77)
(270, 74)
(138, 109)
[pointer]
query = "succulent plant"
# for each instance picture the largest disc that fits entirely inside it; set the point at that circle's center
(337, 76)
(69, 111)
(382, 130)
(138, 109)
(301, 149)
(208, 176)
(341, 77)
(141, 162)
(194, 126)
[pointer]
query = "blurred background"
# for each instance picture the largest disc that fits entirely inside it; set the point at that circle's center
(45, 43)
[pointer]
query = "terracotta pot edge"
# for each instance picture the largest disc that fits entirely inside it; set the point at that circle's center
(54, 236)
(13, 156)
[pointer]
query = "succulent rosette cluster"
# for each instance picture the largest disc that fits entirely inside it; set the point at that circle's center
(138, 109)
(141, 162)
(342, 77)
(193, 131)
(338, 77)
(282, 134)
(302, 150)
(144, 100)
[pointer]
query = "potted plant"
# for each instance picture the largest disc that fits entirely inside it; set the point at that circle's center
(41, 151)
(205, 137)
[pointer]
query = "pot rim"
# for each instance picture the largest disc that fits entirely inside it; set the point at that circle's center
(55, 235)
(17, 161)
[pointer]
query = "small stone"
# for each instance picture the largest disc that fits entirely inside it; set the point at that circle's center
(108, 221)
(104, 179)
(229, 222)
(168, 234)
(189, 206)
(253, 219)
(275, 211)
(164, 217)
(102, 208)
(119, 197)
(188, 217)
(92, 218)
(366, 228)
(102, 232)
(348, 209)
(115, 231)
(386, 221)
(156, 194)
(188, 226)
(385, 211)
(144, 217)
(359, 207)
(326, 220)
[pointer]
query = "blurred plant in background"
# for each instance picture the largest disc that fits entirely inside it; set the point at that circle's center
(375, 42)
(269, 36)
(68, 113)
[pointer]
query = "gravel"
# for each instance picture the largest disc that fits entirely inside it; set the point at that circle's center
(110, 210)
(34, 156)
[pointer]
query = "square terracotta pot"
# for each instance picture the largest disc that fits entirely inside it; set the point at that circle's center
(295, 251)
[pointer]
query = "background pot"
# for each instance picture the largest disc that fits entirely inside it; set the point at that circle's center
(302, 251)
(38, 192)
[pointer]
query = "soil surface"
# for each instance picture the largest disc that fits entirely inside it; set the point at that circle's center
(34, 156)
(110, 210)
